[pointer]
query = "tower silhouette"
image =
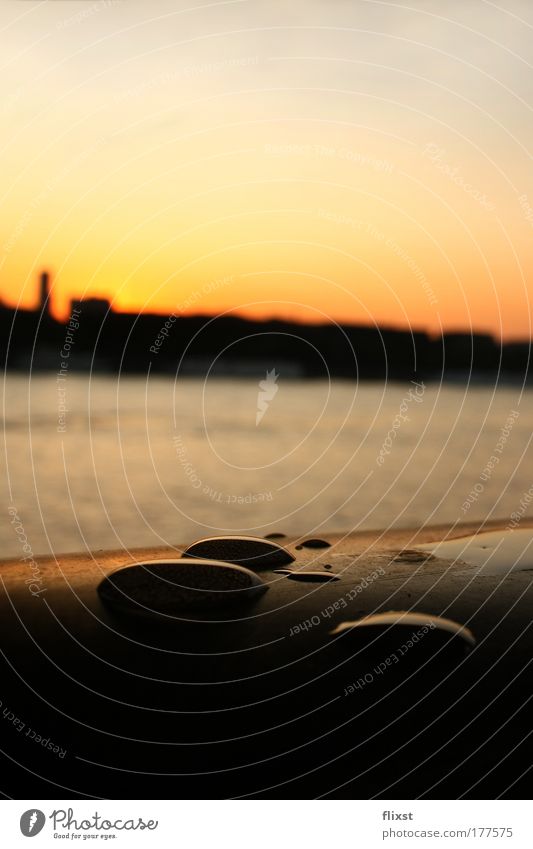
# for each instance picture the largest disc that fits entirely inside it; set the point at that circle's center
(44, 300)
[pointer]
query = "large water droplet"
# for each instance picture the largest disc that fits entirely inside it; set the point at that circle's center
(397, 632)
(178, 586)
(255, 552)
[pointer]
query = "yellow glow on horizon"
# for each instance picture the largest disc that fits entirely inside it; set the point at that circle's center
(393, 193)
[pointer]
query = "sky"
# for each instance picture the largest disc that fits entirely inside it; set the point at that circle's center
(327, 160)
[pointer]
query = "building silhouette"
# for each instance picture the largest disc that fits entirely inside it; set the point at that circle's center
(111, 342)
(93, 308)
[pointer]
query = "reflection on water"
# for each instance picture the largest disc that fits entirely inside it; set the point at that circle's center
(156, 462)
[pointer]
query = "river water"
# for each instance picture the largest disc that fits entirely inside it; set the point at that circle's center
(103, 463)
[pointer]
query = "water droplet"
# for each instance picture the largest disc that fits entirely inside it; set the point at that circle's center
(403, 627)
(314, 543)
(411, 555)
(176, 586)
(254, 552)
(316, 576)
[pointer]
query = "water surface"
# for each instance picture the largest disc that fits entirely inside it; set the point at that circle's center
(139, 462)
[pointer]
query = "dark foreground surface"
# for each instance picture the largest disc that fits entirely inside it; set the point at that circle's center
(261, 700)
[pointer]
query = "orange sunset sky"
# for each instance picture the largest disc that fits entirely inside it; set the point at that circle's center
(355, 161)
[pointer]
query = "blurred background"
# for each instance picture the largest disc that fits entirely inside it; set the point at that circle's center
(263, 268)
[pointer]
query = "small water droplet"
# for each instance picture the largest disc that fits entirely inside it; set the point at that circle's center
(314, 543)
(315, 576)
(411, 555)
